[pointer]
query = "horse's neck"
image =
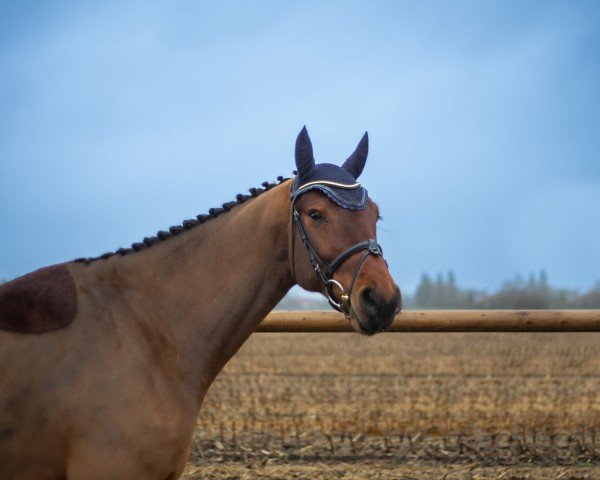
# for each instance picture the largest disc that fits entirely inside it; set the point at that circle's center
(205, 291)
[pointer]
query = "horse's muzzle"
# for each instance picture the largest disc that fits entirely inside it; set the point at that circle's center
(377, 314)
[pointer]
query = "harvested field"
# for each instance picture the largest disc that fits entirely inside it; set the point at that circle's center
(404, 406)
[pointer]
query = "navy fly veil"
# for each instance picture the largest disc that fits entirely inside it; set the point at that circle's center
(338, 183)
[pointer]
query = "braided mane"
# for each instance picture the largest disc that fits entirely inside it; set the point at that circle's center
(186, 224)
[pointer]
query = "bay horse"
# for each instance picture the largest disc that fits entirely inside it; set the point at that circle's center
(104, 362)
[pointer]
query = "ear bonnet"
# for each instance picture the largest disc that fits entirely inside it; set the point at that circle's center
(338, 183)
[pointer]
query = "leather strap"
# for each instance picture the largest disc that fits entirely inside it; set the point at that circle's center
(371, 245)
(326, 271)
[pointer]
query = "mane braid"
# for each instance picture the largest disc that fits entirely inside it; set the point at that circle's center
(186, 224)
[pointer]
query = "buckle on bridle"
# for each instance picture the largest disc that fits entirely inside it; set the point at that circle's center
(374, 247)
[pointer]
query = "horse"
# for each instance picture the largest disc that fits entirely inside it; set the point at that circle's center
(105, 361)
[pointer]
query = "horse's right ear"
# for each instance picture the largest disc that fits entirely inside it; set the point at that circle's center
(356, 162)
(304, 153)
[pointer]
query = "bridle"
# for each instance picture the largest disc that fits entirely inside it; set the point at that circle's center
(326, 271)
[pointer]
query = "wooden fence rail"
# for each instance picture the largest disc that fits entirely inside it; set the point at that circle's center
(442, 321)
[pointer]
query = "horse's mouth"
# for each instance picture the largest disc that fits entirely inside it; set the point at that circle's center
(365, 328)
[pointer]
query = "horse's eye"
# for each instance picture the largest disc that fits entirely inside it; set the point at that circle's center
(314, 215)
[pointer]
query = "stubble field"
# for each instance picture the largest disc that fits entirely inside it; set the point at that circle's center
(404, 406)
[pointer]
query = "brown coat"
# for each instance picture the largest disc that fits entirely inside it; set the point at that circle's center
(113, 388)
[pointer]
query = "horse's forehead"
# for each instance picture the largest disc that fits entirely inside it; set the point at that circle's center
(318, 199)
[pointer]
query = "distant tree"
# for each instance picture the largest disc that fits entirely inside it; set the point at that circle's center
(451, 279)
(543, 278)
(452, 295)
(470, 299)
(590, 299)
(533, 293)
(424, 293)
(439, 292)
(521, 295)
(443, 293)
(561, 298)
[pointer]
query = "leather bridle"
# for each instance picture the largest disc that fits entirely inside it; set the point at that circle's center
(326, 271)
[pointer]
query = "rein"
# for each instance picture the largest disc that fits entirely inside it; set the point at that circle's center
(326, 271)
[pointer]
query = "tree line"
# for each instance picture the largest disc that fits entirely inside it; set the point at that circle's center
(521, 293)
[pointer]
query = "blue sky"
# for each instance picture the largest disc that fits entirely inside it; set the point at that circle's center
(122, 118)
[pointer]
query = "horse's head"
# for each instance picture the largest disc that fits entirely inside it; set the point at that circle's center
(334, 247)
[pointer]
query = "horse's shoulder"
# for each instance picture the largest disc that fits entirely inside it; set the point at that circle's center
(38, 302)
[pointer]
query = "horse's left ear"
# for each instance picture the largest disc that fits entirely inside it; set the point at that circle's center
(356, 162)
(304, 153)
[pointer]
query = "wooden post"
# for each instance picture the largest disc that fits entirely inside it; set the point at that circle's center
(442, 321)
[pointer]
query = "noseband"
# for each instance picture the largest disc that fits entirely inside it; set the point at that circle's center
(326, 271)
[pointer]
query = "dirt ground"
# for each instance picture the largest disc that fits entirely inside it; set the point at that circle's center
(404, 406)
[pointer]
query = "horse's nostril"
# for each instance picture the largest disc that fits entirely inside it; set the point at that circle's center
(370, 297)
(369, 301)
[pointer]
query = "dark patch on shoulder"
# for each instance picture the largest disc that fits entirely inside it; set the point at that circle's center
(6, 433)
(39, 302)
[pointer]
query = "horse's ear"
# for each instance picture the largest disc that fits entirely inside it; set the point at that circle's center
(304, 153)
(356, 162)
